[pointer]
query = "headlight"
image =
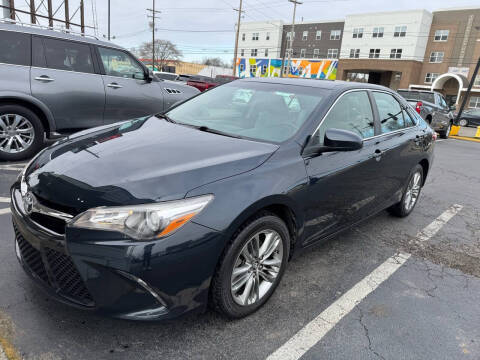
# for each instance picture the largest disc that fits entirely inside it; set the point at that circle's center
(143, 222)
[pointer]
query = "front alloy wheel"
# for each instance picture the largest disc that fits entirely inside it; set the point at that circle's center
(257, 267)
(463, 122)
(251, 266)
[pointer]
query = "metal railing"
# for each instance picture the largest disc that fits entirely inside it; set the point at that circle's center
(44, 27)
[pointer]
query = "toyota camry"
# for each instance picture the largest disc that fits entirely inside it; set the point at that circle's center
(207, 203)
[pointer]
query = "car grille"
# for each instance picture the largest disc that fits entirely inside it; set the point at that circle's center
(49, 222)
(64, 277)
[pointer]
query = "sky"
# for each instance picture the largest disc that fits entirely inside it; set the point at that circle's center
(206, 28)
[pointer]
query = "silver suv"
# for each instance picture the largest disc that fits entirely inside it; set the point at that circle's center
(54, 83)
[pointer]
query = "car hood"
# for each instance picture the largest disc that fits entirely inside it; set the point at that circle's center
(139, 161)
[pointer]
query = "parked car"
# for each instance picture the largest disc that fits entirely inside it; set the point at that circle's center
(53, 83)
(199, 82)
(158, 216)
(470, 117)
(433, 108)
(223, 79)
(166, 75)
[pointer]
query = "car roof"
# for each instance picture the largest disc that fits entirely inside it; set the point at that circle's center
(56, 34)
(321, 84)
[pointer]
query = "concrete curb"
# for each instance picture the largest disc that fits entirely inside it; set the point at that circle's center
(465, 133)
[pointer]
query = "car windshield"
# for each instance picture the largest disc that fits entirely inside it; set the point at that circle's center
(418, 95)
(260, 111)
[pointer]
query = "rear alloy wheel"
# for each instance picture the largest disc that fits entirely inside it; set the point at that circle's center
(21, 133)
(410, 194)
(463, 122)
(251, 267)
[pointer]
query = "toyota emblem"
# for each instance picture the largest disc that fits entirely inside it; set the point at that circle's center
(28, 202)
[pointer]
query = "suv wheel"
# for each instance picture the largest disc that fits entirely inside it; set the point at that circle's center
(21, 133)
(446, 133)
(463, 122)
(410, 194)
(251, 267)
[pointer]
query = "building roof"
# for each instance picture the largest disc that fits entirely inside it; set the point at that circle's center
(26, 29)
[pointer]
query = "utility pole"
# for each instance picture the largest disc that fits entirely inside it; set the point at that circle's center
(469, 90)
(237, 38)
(154, 12)
(108, 20)
(50, 13)
(33, 18)
(284, 54)
(292, 33)
(67, 15)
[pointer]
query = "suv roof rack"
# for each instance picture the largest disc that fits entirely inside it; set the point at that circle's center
(53, 28)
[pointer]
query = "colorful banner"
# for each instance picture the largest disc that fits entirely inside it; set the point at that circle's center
(309, 69)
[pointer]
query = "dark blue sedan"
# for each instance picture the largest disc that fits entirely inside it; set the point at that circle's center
(159, 216)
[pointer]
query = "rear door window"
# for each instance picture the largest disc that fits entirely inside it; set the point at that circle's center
(68, 55)
(14, 48)
(390, 113)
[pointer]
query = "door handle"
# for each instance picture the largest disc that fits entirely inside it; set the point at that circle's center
(377, 155)
(44, 78)
(114, 86)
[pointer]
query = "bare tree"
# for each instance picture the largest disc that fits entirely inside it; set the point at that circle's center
(165, 52)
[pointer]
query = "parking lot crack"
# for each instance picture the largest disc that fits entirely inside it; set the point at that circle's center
(367, 335)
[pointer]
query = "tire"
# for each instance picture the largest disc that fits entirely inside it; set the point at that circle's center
(401, 209)
(463, 122)
(227, 301)
(30, 122)
(445, 134)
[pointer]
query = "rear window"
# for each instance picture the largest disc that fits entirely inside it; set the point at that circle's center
(14, 48)
(418, 95)
(68, 55)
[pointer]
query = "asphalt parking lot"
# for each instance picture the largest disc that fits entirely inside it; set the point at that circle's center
(388, 289)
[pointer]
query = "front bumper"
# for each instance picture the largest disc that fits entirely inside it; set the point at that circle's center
(111, 274)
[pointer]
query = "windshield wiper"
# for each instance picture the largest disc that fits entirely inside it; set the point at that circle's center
(213, 131)
(165, 117)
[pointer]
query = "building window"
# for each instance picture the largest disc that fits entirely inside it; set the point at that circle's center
(400, 31)
(242, 52)
(242, 67)
(335, 34)
(305, 36)
(355, 53)
(332, 54)
(243, 37)
(266, 52)
(316, 53)
(253, 53)
(255, 36)
(396, 54)
(253, 69)
(374, 53)
(268, 36)
(436, 57)
(378, 32)
(357, 33)
(318, 36)
(441, 35)
(477, 81)
(264, 69)
(302, 53)
(475, 102)
(289, 35)
(430, 77)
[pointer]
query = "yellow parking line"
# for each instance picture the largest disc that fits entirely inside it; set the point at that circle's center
(464, 138)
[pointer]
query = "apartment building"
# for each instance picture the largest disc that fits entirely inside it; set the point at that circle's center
(314, 40)
(452, 52)
(260, 39)
(385, 48)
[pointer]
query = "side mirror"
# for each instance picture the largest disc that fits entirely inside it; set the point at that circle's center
(336, 140)
(149, 76)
